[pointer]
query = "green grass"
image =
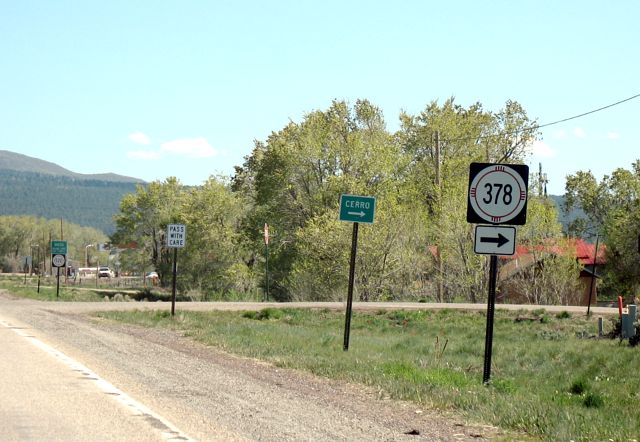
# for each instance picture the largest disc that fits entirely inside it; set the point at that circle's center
(550, 378)
(17, 287)
(85, 292)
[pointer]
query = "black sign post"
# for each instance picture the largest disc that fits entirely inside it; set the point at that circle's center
(355, 209)
(491, 307)
(176, 239)
(352, 272)
(497, 195)
(173, 284)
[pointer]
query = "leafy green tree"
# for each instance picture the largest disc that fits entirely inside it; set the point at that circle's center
(213, 256)
(29, 236)
(612, 207)
(442, 141)
(295, 180)
(143, 220)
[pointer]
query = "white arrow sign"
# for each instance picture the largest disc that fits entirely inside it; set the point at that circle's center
(360, 214)
(495, 240)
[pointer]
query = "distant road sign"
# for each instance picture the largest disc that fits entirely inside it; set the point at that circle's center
(58, 260)
(495, 240)
(357, 209)
(58, 247)
(498, 193)
(176, 235)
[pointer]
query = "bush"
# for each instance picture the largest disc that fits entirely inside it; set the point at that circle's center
(593, 400)
(578, 387)
(264, 314)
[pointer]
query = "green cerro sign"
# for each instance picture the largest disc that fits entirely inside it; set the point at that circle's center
(58, 247)
(357, 209)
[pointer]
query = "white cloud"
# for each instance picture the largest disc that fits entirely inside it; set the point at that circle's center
(579, 132)
(540, 149)
(560, 134)
(613, 135)
(190, 147)
(143, 155)
(140, 138)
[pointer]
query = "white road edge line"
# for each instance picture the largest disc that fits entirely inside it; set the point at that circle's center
(170, 432)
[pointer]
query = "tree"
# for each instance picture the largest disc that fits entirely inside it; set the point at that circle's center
(29, 236)
(143, 220)
(612, 207)
(295, 180)
(442, 141)
(213, 256)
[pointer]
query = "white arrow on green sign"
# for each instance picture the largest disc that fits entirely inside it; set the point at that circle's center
(357, 209)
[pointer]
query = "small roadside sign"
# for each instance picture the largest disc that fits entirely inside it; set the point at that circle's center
(58, 260)
(176, 235)
(58, 248)
(357, 209)
(498, 193)
(495, 240)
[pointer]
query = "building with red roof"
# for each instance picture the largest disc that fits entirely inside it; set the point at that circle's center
(527, 256)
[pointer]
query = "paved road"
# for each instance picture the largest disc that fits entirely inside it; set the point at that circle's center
(45, 395)
(68, 377)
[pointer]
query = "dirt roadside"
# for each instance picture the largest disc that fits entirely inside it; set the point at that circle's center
(212, 395)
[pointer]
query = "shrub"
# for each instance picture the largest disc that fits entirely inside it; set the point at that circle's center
(579, 386)
(593, 400)
(264, 314)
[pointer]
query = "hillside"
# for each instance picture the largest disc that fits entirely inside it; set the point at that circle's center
(16, 162)
(566, 218)
(29, 186)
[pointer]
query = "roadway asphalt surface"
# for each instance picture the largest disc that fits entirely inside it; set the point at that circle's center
(69, 377)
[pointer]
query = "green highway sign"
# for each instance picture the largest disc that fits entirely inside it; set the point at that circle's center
(357, 209)
(58, 247)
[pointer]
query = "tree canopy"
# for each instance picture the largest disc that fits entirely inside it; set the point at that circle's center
(420, 245)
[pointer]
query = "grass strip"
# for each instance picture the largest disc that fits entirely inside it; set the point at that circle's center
(551, 377)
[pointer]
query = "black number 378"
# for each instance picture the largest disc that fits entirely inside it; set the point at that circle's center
(505, 191)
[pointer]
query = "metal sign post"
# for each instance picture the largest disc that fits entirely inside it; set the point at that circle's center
(354, 209)
(491, 306)
(176, 239)
(352, 273)
(266, 262)
(497, 195)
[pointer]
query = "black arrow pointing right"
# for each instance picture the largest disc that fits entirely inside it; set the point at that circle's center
(500, 240)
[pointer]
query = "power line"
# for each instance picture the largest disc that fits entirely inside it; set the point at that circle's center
(539, 126)
(587, 113)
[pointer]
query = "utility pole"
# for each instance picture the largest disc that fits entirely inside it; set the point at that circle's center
(49, 248)
(593, 275)
(539, 179)
(439, 208)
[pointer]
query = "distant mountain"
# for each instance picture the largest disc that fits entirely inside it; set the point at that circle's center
(30, 186)
(22, 163)
(566, 218)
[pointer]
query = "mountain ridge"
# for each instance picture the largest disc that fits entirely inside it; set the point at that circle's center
(34, 187)
(18, 162)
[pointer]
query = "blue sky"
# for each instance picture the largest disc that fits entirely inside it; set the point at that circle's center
(152, 89)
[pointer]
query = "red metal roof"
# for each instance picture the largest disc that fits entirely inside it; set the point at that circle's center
(583, 251)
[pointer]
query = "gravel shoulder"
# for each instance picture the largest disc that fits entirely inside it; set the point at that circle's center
(212, 395)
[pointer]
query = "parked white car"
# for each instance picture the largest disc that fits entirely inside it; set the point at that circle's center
(105, 272)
